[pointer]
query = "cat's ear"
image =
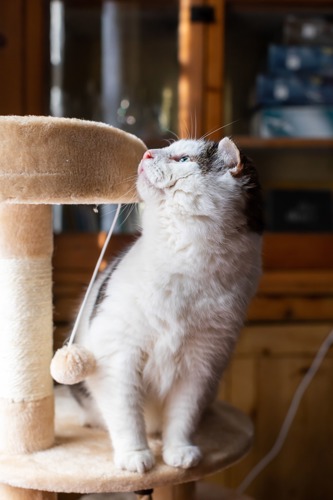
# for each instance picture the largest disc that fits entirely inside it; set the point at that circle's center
(230, 155)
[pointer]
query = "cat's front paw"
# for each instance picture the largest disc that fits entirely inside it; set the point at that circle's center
(182, 456)
(135, 461)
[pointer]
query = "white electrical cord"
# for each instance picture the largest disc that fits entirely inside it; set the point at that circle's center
(305, 382)
(92, 281)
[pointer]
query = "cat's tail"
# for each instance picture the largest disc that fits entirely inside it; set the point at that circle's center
(72, 364)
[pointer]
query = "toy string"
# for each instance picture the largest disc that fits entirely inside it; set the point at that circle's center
(93, 278)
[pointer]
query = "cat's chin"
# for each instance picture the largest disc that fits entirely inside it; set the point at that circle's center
(147, 189)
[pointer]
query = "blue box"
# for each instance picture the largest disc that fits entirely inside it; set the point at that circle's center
(288, 59)
(275, 90)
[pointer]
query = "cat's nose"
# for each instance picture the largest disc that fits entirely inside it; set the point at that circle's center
(147, 155)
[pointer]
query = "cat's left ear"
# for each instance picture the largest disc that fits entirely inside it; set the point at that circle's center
(230, 155)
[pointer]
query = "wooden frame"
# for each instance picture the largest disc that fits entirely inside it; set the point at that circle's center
(201, 70)
(23, 57)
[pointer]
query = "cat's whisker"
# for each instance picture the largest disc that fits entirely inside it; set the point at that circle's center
(185, 128)
(112, 211)
(124, 205)
(128, 179)
(191, 127)
(192, 131)
(217, 129)
(130, 211)
(131, 189)
(131, 192)
(174, 134)
(137, 227)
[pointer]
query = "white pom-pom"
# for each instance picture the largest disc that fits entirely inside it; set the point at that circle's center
(72, 364)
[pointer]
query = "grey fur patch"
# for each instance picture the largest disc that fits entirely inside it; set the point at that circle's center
(210, 161)
(208, 157)
(102, 289)
(80, 393)
(254, 210)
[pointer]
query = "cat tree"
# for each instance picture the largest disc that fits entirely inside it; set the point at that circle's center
(45, 161)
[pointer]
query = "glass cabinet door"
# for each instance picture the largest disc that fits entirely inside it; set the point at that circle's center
(117, 62)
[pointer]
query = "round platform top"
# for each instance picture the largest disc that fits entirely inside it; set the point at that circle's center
(50, 160)
(81, 460)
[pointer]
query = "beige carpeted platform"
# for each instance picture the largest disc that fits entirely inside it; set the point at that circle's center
(81, 460)
(61, 160)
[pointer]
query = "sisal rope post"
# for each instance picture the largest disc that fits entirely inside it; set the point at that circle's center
(26, 390)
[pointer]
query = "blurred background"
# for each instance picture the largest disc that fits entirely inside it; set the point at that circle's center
(260, 71)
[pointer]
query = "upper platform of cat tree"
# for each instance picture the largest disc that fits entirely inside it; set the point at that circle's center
(47, 160)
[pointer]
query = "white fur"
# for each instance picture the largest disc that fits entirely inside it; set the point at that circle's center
(174, 307)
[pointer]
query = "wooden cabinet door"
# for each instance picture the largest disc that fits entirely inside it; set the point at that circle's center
(269, 363)
(23, 56)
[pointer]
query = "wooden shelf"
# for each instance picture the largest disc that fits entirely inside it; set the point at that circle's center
(251, 142)
(278, 5)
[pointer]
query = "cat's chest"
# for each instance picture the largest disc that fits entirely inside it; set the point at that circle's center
(168, 358)
(172, 299)
(174, 316)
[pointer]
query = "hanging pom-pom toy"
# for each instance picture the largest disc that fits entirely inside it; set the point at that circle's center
(72, 364)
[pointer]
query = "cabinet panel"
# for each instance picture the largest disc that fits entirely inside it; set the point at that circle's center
(23, 57)
(11, 57)
(291, 308)
(262, 384)
(36, 56)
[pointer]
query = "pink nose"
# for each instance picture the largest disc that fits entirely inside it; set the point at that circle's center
(147, 155)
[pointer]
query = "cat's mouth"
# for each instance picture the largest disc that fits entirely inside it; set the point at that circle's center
(146, 183)
(142, 174)
(141, 168)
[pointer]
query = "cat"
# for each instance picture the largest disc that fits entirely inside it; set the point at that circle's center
(163, 320)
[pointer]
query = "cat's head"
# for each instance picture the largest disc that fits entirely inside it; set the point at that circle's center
(199, 176)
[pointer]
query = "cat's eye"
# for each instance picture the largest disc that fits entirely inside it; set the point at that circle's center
(184, 158)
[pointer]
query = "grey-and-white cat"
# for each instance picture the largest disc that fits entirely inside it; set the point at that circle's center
(163, 322)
